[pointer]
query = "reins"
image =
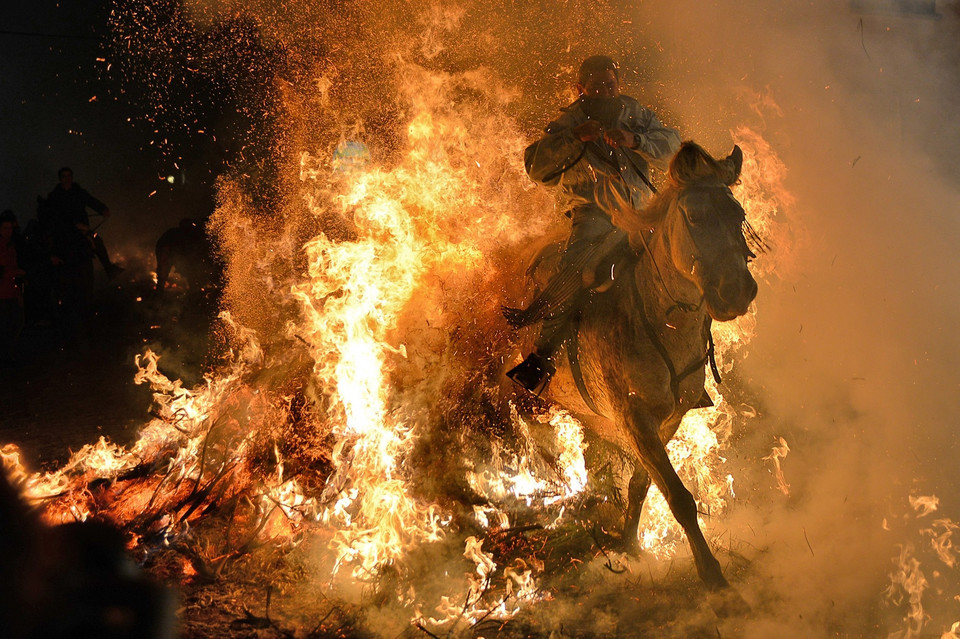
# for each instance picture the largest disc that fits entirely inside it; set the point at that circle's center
(685, 307)
(675, 377)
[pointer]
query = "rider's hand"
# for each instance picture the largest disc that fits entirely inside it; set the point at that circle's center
(588, 131)
(83, 227)
(620, 137)
(56, 261)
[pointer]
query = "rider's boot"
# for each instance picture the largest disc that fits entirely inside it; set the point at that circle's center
(533, 373)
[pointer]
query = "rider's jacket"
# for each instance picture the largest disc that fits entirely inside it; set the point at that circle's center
(594, 175)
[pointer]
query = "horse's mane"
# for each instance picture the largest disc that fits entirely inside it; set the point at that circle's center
(690, 164)
(693, 164)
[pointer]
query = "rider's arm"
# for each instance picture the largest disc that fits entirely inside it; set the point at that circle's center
(654, 141)
(549, 157)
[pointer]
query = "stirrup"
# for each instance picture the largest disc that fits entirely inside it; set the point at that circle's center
(533, 373)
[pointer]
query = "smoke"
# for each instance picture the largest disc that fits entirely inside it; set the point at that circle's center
(853, 361)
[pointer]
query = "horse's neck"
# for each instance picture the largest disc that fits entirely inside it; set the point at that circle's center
(662, 288)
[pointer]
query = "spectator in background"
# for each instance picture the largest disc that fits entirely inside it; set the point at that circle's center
(67, 206)
(71, 246)
(11, 293)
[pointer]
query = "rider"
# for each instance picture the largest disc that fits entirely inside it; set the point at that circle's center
(599, 152)
(70, 225)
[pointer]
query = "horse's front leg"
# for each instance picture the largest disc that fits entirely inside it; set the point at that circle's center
(639, 487)
(653, 457)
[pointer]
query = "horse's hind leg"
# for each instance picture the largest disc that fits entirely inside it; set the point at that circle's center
(636, 494)
(638, 488)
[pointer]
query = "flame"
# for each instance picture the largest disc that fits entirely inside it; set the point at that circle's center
(907, 585)
(778, 453)
(941, 539)
(924, 504)
(480, 602)
(418, 227)
(525, 477)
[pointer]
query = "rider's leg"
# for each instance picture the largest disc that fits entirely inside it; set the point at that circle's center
(535, 371)
(562, 296)
(100, 250)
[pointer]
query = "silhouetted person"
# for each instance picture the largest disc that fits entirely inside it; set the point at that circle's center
(40, 289)
(72, 245)
(68, 203)
(11, 292)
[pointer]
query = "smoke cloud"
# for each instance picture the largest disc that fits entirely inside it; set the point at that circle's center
(852, 362)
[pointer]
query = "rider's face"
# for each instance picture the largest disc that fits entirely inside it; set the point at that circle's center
(66, 179)
(603, 84)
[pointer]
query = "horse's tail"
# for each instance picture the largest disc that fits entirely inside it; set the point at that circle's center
(556, 298)
(516, 317)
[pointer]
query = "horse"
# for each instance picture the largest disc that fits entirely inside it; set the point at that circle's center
(641, 348)
(188, 249)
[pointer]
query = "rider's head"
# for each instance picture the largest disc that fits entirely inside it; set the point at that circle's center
(66, 177)
(599, 77)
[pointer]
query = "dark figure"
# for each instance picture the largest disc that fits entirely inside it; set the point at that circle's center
(188, 249)
(71, 246)
(40, 301)
(186, 318)
(73, 580)
(11, 291)
(598, 152)
(67, 205)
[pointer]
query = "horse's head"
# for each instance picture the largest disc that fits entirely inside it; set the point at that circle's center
(704, 224)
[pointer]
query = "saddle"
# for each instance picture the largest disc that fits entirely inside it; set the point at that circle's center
(587, 268)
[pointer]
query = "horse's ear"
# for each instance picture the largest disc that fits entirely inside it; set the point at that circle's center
(732, 165)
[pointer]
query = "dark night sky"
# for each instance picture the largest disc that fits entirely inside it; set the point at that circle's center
(57, 109)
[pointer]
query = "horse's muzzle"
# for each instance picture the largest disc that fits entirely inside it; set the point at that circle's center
(731, 298)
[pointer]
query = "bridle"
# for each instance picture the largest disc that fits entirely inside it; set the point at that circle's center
(676, 377)
(681, 305)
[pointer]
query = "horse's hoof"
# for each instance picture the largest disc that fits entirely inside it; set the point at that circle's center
(727, 602)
